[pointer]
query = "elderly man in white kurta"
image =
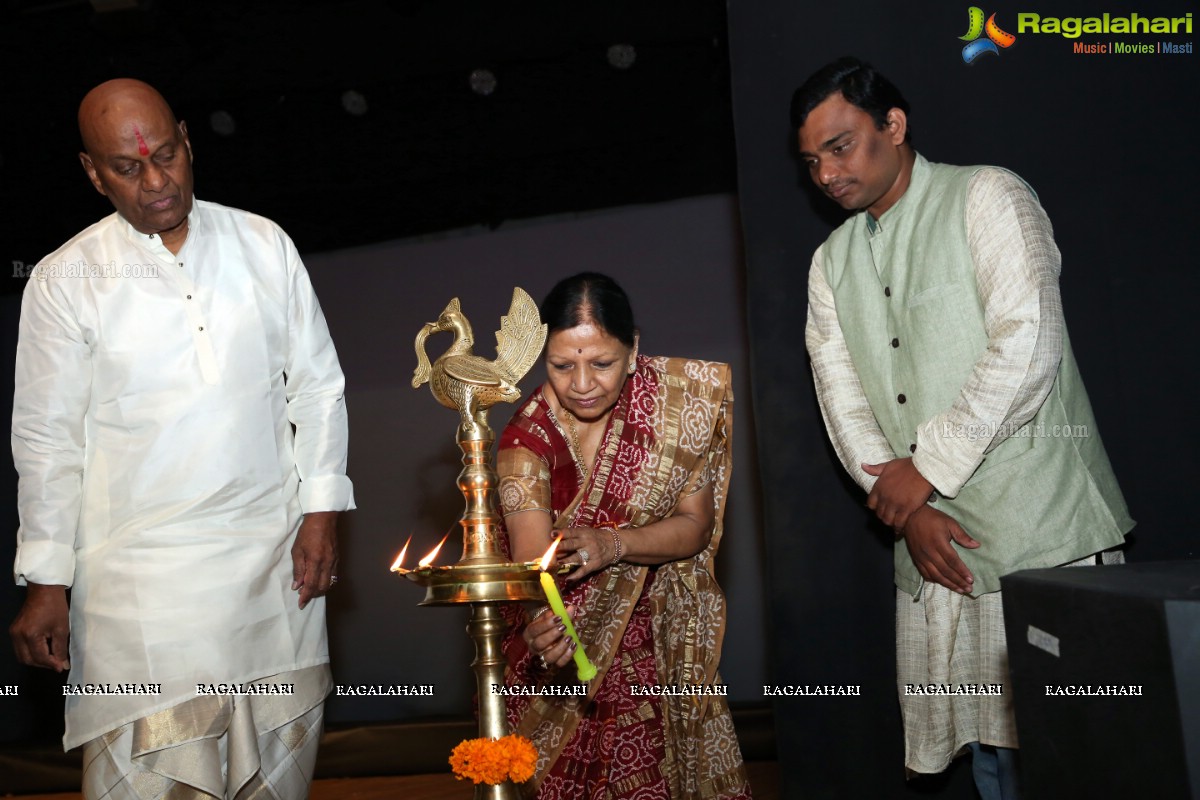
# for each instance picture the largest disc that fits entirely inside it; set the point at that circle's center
(180, 433)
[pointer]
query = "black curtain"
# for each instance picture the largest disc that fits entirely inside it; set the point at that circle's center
(1108, 142)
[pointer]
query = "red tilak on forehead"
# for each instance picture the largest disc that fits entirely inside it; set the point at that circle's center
(141, 142)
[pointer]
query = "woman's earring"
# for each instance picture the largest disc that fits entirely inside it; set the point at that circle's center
(632, 367)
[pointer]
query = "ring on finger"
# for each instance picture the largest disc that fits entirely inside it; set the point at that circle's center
(583, 557)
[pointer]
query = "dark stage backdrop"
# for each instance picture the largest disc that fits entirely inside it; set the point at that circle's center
(1109, 143)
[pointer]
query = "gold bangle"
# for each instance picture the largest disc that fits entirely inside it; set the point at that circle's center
(618, 546)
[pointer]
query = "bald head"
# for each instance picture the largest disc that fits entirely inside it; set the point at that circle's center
(138, 156)
(115, 103)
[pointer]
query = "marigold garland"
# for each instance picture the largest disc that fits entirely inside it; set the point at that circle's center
(494, 761)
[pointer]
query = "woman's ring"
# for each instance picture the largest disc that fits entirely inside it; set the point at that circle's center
(583, 557)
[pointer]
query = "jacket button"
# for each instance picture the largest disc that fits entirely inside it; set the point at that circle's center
(887, 291)
(895, 342)
(901, 399)
(912, 448)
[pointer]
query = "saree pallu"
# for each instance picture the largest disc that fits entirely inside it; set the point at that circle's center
(668, 437)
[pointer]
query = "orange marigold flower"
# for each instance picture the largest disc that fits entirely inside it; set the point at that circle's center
(494, 761)
(522, 758)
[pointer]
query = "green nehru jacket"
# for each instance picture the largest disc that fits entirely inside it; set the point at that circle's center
(909, 308)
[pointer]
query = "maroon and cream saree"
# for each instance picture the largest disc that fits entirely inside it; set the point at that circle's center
(667, 438)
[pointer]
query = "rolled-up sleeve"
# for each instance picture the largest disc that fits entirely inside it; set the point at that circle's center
(315, 398)
(52, 391)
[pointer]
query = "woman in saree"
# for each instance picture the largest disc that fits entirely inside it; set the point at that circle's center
(628, 458)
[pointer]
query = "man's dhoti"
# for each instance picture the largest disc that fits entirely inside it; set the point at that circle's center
(945, 640)
(230, 747)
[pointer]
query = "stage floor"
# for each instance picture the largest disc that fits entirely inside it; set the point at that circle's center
(764, 781)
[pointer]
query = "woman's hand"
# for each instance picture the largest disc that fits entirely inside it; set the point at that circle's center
(546, 638)
(591, 549)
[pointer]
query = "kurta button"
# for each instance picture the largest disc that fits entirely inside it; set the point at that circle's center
(887, 291)
(912, 448)
(901, 399)
(201, 327)
(189, 297)
(895, 342)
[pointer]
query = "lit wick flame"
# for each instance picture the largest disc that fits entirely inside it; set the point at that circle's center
(549, 557)
(427, 560)
(397, 565)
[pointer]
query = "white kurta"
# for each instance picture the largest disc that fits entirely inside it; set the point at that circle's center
(159, 473)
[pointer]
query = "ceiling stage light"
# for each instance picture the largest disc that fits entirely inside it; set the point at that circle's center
(222, 122)
(483, 81)
(354, 103)
(622, 56)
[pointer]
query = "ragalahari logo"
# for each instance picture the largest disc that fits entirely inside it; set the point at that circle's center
(996, 38)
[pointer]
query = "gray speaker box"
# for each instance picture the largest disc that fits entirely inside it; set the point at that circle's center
(1105, 668)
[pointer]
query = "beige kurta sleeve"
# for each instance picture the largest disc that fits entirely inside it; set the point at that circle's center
(853, 429)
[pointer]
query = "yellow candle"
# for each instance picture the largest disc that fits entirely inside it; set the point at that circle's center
(584, 668)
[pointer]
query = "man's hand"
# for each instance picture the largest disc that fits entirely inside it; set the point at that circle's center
(899, 492)
(42, 629)
(314, 555)
(928, 535)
